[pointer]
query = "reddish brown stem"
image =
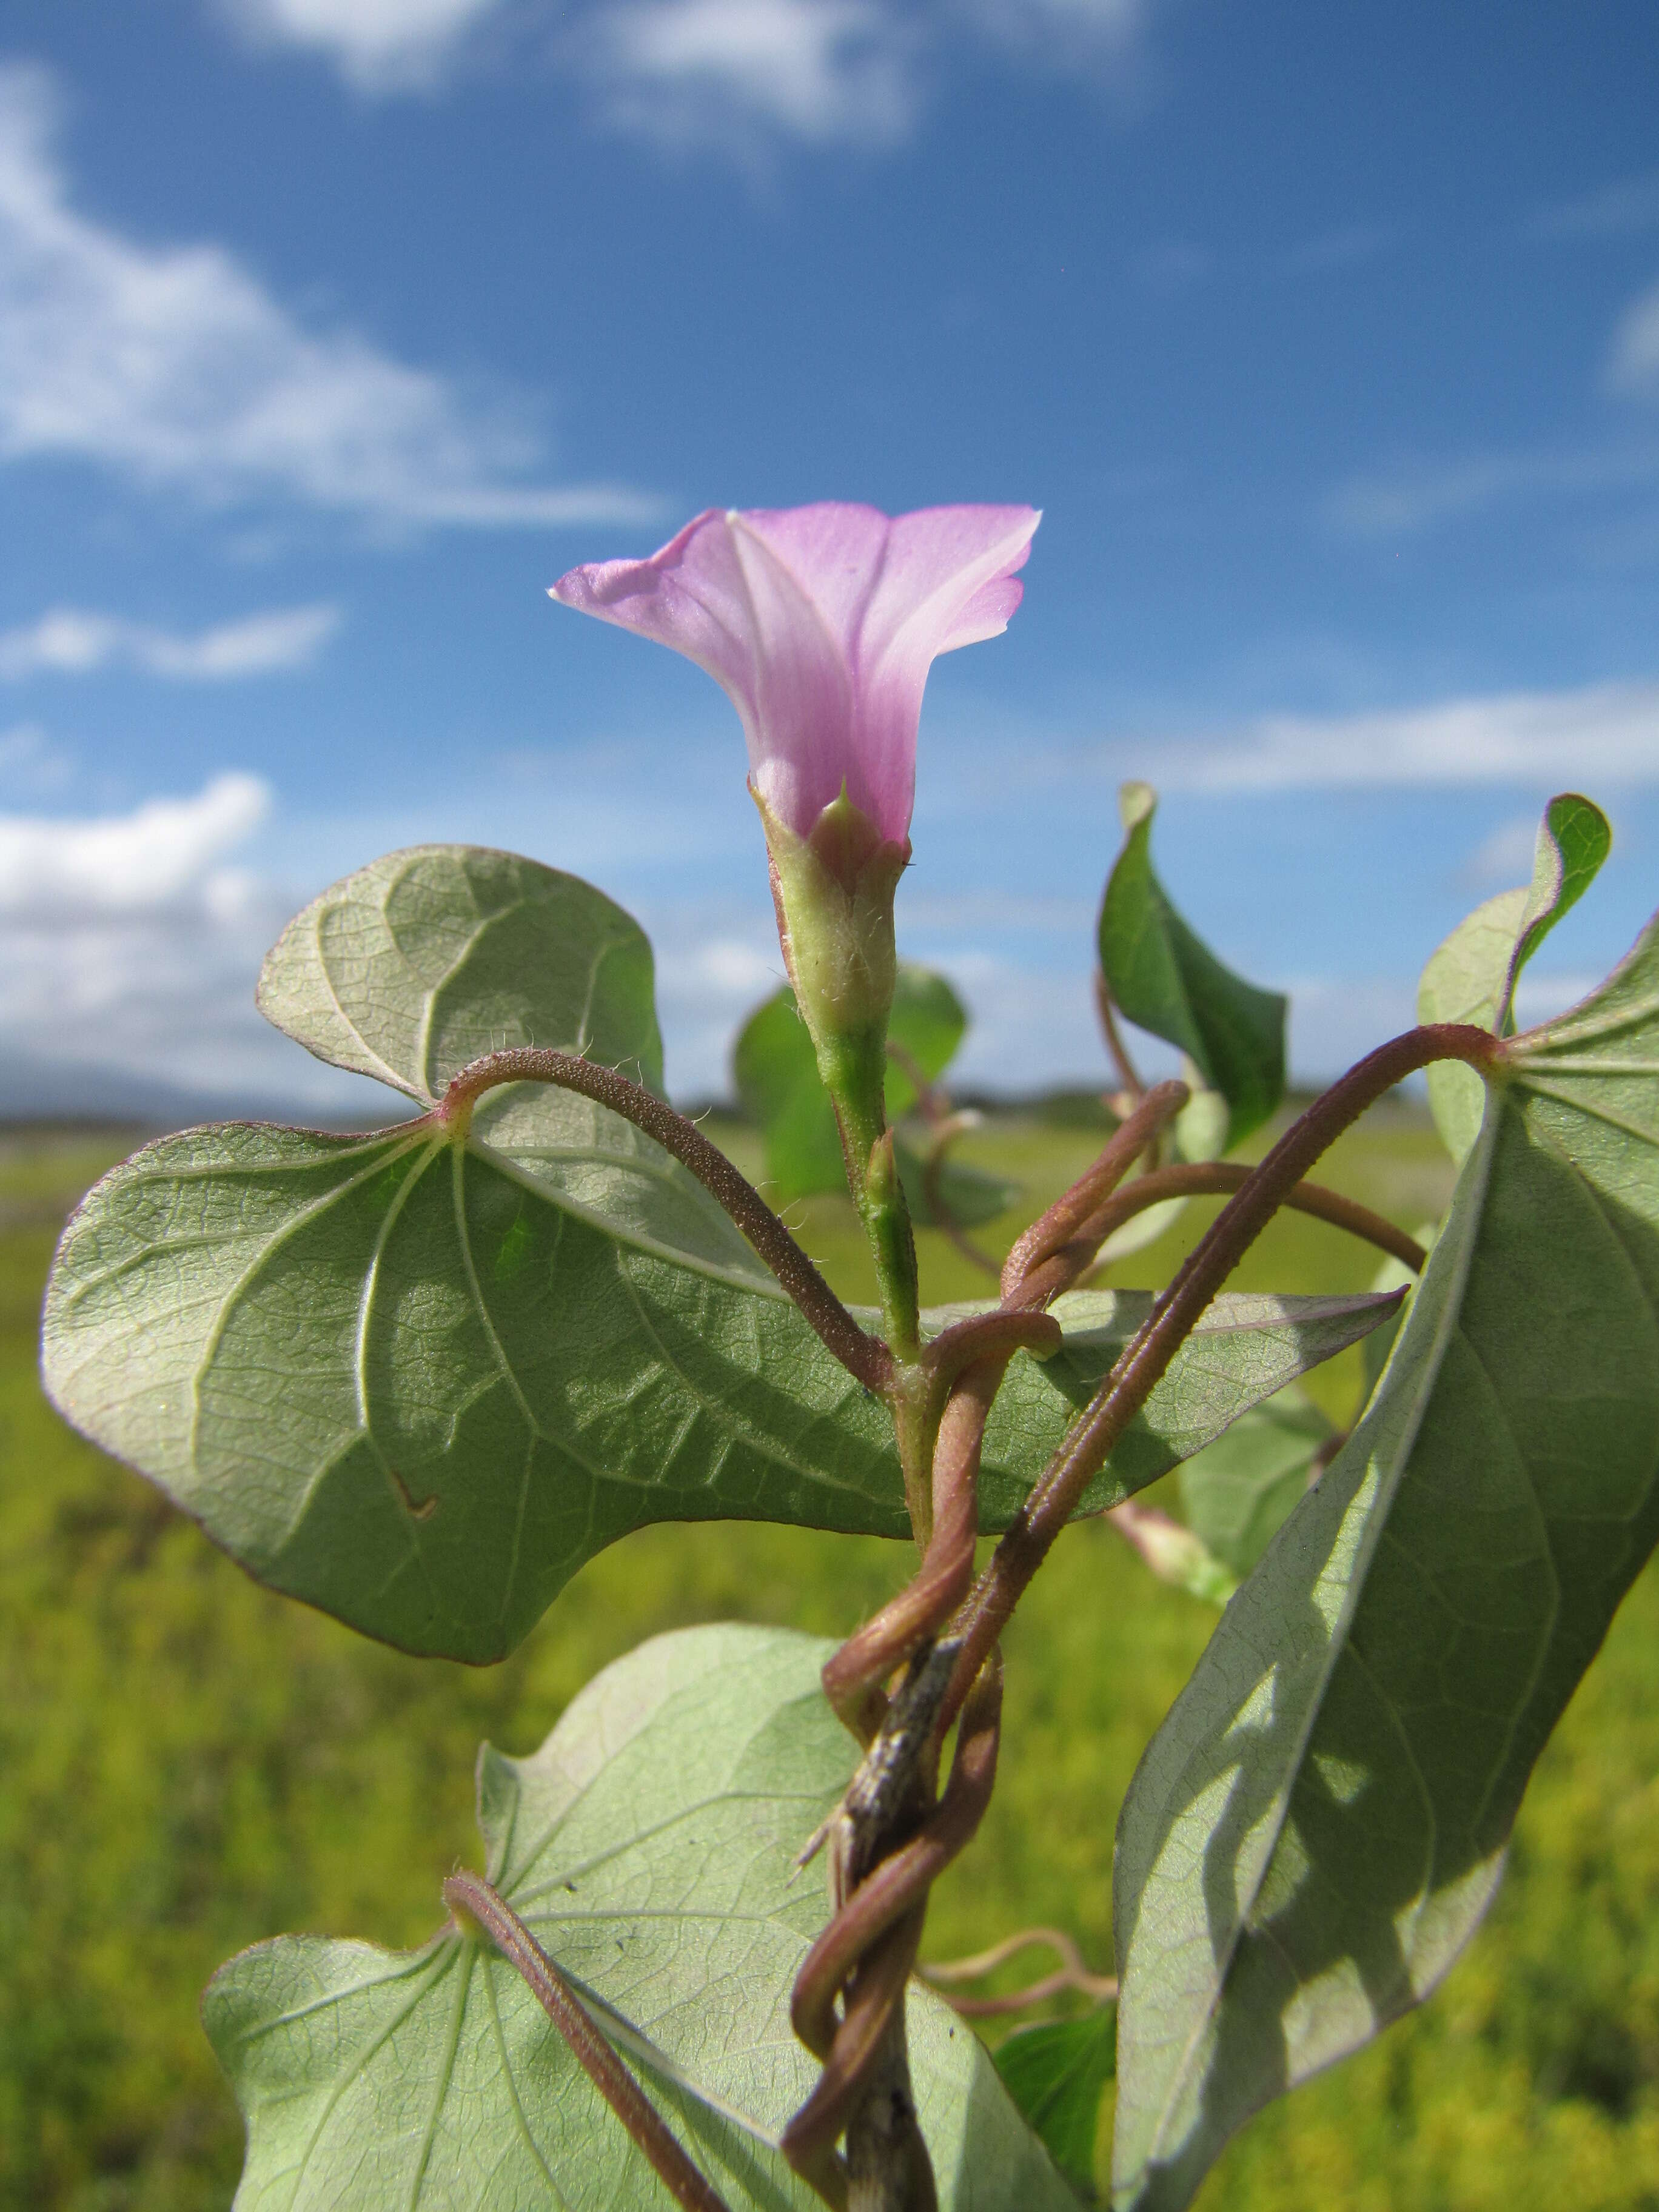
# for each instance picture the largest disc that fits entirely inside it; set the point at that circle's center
(865, 1356)
(1113, 1036)
(870, 1946)
(1174, 1316)
(1048, 1237)
(473, 1900)
(1220, 1178)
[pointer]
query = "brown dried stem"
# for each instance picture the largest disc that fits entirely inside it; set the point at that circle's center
(472, 1901)
(865, 1356)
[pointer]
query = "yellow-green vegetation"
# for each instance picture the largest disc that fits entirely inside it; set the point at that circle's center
(188, 1765)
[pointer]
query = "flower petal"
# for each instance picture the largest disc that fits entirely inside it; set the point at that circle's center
(820, 623)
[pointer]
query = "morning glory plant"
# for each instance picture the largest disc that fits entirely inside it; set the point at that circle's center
(416, 1375)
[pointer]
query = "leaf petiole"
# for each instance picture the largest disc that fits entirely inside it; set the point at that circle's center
(472, 1900)
(865, 1356)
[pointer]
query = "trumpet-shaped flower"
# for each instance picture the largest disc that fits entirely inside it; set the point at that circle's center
(821, 623)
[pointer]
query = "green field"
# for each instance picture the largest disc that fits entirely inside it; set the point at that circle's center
(188, 1765)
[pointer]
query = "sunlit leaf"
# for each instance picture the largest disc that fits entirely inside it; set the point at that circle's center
(1056, 2073)
(1167, 980)
(406, 1379)
(417, 1377)
(650, 1845)
(1472, 976)
(1318, 1826)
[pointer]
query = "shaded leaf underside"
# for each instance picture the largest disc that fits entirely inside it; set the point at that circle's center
(650, 1846)
(1317, 1827)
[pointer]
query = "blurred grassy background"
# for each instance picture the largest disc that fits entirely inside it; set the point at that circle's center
(188, 1765)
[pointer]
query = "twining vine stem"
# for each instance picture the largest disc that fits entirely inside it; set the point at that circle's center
(1175, 1316)
(865, 1356)
(475, 1905)
(880, 1919)
(1220, 1178)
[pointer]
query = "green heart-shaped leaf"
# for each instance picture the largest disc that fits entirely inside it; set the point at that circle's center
(1167, 980)
(650, 1845)
(418, 1377)
(1318, 1826)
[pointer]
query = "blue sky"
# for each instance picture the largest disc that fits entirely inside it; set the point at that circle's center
(332, 331)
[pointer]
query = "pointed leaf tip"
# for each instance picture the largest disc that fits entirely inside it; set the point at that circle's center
(1472, 976)
(1166, 980)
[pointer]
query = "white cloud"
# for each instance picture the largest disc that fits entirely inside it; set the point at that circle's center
(69, 641)
(1414, 495)
(1634, 366)
(130, 864)
(378, 45)
(708, 71)
(1606, 734)
(819, 69)
(174, 366)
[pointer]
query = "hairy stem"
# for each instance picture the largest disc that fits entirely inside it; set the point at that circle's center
(473, 1901)
(1177, 1311)
(865, 1356)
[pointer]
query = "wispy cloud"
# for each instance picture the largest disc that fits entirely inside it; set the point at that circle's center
(378, 45)
(724, 74)
(1416, 494)
(1606, 734)
(819, 71)
(1344, 248)
(174, 366)
(69, 641)
(1614, 211)
(1634, 365)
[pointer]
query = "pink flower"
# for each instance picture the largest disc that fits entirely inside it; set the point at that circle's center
(821, 623)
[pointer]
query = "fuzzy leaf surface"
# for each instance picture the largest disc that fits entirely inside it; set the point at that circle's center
(1167, 980)
(1319, 1824)
(650, 1847)
(404, 1378)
